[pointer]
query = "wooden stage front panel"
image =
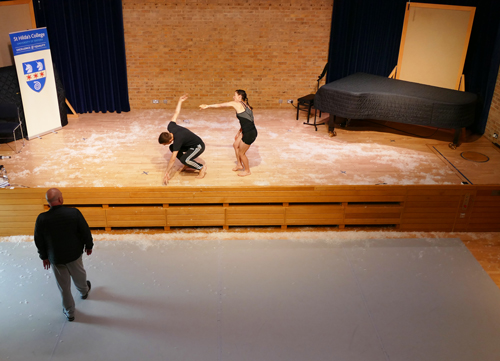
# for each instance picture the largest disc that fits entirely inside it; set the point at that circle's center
(446, 208)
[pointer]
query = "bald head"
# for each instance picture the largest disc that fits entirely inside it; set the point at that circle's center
(54, 197)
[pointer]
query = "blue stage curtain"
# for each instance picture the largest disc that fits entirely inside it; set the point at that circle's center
(366, 34)
(88, 49)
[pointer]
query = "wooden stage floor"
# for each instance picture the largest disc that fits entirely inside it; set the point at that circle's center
(121, 150)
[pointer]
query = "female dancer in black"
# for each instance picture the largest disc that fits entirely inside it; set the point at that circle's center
(247, 133)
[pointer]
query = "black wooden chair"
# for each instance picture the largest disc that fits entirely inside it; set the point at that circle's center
(306, 103)
(10, 122)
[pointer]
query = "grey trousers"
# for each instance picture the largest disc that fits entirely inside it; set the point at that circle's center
(64, 273)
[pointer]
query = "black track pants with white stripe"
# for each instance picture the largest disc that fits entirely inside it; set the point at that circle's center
(187, 157)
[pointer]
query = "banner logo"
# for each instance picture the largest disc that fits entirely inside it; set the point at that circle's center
(35, 74)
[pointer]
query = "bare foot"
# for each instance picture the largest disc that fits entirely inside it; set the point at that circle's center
(237, 168)
(184, 168)
(203, 171)
(243, 174)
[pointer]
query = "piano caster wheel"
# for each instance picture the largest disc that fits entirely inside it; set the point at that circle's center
(452, 146)
(332, 133)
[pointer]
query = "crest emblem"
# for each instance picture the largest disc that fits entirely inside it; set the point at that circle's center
(35, 74)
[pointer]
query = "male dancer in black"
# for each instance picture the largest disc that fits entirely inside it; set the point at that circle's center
(184, 145)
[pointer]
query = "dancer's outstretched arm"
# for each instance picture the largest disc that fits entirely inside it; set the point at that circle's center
(237, 106)
(178, 108)
(171, 162)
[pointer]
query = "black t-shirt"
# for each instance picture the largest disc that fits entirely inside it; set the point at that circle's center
(183, 138)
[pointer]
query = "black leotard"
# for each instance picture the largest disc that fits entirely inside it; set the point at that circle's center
(247, 124)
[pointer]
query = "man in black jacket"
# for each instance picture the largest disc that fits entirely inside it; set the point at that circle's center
(61, 236)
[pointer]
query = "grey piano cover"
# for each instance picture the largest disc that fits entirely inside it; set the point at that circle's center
(366, 96)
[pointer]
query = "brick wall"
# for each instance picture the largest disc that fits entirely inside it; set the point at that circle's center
(493, 125)
(273, 49)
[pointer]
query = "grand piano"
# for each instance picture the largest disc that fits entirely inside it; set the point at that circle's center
(366, 96)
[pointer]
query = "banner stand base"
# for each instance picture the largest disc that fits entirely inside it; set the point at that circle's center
(44, 133)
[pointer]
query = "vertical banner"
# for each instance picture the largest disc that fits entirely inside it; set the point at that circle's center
(36, 80)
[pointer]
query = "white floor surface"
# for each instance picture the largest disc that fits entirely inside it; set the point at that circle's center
(397, 299)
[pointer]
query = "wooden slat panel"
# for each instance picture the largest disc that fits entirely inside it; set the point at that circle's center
(16, 207)
(269, 192)
(487, 203)
(271, 209)
(175, 222)
(432, 205)
(364, 188)
(96, 223)
(256, 198)
(360, 208)
(451, 211)
(21, 201)
(428, 215)
(6, 231)
(23, 210)
(135, 217)
(139, 211)
(361, 216)
(18, 219)
(255, 215)
(194, 223)
(488, 192)
(136, 223)
(195, 211)
(314, 214)
(263, 215)
(482, 227)
(195, 216)
(478, 208)
(485, 217)
(312, 217)
(255, 222)
(371, 221)
(426, 227)
(313, 221)
(92, 210)
(15, 196)
(434, 198)
(26, 223)
(448, 222)
(314, 208)
(438, 192)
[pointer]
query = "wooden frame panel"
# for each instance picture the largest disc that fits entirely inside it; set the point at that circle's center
(195, 216)
(410, 208)
(314, 214)
(434, 44)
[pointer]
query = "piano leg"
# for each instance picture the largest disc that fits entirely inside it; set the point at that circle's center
(331, 126)
(456, 138)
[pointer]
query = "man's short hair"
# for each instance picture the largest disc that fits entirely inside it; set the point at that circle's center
(165, 138)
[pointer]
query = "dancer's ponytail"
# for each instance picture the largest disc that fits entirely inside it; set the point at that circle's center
(244, 97)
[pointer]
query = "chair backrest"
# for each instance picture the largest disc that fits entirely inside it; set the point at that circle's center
(9, 111)
(323, 73)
